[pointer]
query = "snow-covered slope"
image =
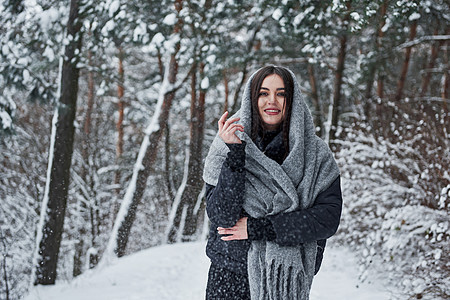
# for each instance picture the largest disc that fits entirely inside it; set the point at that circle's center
(180, 272)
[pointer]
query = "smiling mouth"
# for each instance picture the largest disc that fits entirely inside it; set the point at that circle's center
(272, 111)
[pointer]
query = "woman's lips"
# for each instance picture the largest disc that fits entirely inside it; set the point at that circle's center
(272, 111)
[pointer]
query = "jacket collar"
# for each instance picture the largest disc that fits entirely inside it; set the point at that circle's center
(271, 143)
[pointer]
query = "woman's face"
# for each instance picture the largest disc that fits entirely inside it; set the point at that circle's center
(271, 101)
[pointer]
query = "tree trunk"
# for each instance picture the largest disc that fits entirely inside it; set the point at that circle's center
(85, 151)
(167, 171)
(315, 98)
(160, 64)
(154, 137)
(380, 86)
(236, 102)
(444, 93)
(373, 65)
(90, 103)
(337, 88)
(93, 207)
(339, 78)
(185, 219)
(190, 227)
(401, 81)
(119, 124)
(54, 213)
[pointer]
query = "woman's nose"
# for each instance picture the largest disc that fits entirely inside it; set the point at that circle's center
(272, 98)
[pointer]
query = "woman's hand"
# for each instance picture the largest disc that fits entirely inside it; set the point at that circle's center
(227, 129)
(238, 231)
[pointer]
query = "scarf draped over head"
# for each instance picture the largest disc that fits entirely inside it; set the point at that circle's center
(279, 272)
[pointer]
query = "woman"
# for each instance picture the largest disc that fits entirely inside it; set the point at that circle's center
(273, 194)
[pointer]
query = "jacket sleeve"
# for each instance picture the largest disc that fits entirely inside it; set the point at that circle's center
(315, 223)
(224, 201)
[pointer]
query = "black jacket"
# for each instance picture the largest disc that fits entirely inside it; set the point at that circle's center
(224, 208)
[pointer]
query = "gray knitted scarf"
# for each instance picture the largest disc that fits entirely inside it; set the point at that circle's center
(279, 272)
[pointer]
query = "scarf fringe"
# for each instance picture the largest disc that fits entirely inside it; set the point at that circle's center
(283, 282)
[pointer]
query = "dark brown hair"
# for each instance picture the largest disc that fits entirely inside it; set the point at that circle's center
(255, 86)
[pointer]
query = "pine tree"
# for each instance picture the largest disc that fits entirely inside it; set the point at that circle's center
(55, 198)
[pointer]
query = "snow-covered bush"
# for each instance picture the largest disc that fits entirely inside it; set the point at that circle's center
(395, 186)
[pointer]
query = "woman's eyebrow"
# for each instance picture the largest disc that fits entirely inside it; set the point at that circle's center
(278, 89)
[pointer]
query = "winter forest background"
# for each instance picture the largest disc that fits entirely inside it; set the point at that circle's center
(107, 109)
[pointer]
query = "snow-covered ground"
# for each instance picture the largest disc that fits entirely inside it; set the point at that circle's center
(180, 271)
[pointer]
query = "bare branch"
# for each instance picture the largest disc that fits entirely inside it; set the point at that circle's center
(423, 39)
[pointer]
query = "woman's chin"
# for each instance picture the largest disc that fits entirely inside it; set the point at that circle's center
(271, 125)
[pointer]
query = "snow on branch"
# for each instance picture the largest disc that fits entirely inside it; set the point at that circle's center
(423, 39)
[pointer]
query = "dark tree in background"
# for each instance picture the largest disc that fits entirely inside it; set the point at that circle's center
(54, 212)
(339, 74)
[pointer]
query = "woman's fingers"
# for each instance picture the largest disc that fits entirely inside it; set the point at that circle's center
(224, 123)
(229, 234)
(237, 232)
(228, 128)
(231, 121)
(228, 124)
(229, 238)
(221, 230)
(233, 127)
(236, 235)
(222, 120)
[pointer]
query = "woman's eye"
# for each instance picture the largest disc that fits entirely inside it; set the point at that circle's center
(262, 94)
(282, 94)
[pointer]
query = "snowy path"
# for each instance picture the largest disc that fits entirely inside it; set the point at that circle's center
(179, 271)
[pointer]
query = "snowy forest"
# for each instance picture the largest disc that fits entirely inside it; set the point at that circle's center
(107, 110)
